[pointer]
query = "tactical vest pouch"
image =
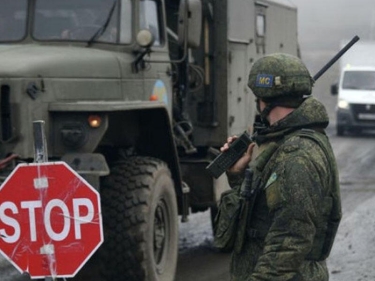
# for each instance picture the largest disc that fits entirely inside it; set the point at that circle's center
(248, 195)
(233, 209)
(226, 220)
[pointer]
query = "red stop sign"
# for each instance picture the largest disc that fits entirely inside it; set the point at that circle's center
(50, 220)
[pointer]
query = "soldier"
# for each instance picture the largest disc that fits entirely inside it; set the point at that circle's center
(296, 205)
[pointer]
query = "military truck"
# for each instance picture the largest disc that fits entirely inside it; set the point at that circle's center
(137, 96)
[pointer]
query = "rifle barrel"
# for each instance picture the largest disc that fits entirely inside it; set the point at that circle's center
(335, 58)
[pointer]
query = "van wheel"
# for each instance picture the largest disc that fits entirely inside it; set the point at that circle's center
(140, 220)
(340, 130)
(356, 131)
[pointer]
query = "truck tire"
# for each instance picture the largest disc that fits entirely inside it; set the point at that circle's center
(140, 220)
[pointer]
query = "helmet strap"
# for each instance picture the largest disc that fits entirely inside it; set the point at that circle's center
(264, 114)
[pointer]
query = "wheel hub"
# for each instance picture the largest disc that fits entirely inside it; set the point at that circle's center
(159, 232)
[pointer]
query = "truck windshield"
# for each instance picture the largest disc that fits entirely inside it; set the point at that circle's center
(81, 20)
(13, 17)
(361, 80)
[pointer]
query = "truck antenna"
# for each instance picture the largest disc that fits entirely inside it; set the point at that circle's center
(335, 58)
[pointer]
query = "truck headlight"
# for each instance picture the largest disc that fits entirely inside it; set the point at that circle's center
(95, 121)
(343, 104)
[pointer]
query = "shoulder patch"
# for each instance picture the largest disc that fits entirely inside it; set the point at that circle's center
(271, 180)
(290, 148)
(264, 81)
(291, 144)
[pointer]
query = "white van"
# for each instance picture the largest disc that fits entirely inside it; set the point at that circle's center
(356, 99)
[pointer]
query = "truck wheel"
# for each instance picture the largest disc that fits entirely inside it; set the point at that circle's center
(140, 220)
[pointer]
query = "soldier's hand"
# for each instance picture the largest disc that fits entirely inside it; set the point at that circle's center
(244, 161)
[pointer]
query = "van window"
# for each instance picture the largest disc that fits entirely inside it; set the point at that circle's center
(361, 80)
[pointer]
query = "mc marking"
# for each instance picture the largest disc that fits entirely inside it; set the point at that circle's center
(264, 81)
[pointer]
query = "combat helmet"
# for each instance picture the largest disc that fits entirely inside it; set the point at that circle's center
(280, 76)
(279, 80)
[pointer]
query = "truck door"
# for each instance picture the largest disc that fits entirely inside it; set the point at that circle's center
(157, 79)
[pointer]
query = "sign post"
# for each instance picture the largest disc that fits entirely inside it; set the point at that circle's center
(40, 152)
(40, 143)
(50, 217)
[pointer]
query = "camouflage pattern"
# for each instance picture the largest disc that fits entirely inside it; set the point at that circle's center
(279, 75)
(286, 231)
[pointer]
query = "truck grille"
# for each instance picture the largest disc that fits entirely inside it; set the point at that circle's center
(6, 122)
(363, 112)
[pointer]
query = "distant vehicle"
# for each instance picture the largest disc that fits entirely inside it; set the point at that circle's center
(136, 95)
(356, 89)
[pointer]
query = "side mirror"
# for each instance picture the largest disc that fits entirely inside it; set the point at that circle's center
(145, 39)
(334, 89)
(190, 23)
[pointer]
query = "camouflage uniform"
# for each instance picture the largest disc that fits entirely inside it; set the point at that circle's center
(288, 227)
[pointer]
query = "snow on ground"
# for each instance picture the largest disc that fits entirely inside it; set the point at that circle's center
(352, 257)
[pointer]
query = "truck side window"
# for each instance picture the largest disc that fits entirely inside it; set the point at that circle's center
(261, 25)
(126, 22)
(149, 19)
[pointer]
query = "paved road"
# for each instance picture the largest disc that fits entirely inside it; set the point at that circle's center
(199, 260)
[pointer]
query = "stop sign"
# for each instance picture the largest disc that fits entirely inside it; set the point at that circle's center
(50, 220)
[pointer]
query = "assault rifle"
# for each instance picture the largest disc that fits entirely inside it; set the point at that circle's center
(226, 159)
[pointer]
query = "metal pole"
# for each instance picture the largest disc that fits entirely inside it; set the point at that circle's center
(335, 58)
(40, 143)
(40, 152)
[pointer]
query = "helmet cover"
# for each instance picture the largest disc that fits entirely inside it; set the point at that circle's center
(278, 76)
